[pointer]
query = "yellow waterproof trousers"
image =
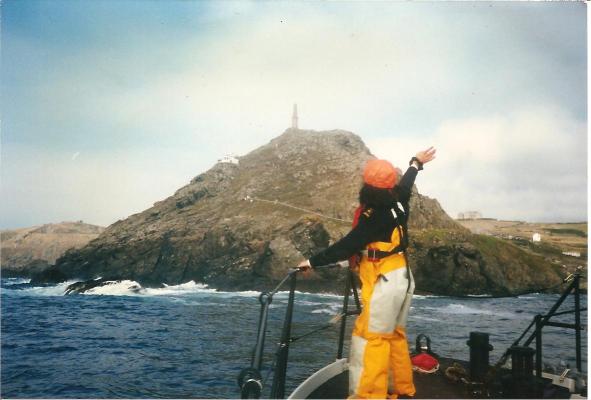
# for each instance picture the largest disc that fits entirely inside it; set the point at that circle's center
(379, 363)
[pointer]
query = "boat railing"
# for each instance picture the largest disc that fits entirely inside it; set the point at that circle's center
(542, 320)
(250, 379)
(251, 382)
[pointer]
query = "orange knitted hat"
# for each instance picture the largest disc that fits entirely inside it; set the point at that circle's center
(380, 174)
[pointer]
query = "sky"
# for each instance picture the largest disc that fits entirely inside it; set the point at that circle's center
(110, 106)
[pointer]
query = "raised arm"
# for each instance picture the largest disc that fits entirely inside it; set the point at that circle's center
(404, 187)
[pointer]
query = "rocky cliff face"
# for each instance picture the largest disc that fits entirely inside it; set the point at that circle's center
(459, 263)
(31, 250)
(242, 226)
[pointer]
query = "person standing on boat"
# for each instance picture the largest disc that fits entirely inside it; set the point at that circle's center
(379, 362)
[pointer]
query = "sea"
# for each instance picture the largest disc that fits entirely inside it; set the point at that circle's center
(192, 341)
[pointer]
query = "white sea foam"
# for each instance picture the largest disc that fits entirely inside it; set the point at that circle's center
(132, 288)
(325, 295)
(419, 317)
(309, 303)
(324, 311)
(424, 296)
(183, 288)
(54, 290)
(460, 309)
(121, 288)
(16, 281)
(244, 293)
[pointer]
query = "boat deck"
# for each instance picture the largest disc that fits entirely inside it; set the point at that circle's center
(429, 386)
(437, 386)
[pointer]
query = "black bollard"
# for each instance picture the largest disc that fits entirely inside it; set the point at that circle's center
(523, 383)
(479, 349)
(522, 362)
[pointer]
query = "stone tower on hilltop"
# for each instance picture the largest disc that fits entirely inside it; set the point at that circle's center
(294, 117)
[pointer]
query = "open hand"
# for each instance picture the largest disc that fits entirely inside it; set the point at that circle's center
(426, 155)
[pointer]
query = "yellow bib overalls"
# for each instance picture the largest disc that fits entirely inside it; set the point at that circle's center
(379, 361)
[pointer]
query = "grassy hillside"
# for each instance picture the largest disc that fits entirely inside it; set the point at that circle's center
(455, 262)
(556, 239)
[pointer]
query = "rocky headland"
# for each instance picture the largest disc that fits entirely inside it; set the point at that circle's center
(243, 225)
(28, 251)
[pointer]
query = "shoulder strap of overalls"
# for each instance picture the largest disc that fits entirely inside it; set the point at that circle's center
(403, 233)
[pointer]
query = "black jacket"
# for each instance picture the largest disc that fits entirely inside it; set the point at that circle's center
(376, 224)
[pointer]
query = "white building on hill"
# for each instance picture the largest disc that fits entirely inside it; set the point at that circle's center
(470, 215)
(229, 158)
(572, 253)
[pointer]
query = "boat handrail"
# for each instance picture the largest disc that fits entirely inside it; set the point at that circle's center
(541, 320)
(250, 379)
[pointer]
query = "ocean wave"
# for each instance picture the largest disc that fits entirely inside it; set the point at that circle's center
(133, 288)
(183, 288)
(324, 295)
(455, 308)
(425, 296)
(324, 311)
(298, 294)
(117, 288)
(192, 287)
(46, 290)
(310, 303)
(120, 288)
(15, 281)
(421, 318)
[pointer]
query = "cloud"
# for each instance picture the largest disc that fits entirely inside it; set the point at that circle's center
(367, 69)
(176, 87)
(528, 165)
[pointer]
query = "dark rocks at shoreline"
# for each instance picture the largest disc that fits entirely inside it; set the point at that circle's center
(32, 268)
(84, 286)
(48, 275)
